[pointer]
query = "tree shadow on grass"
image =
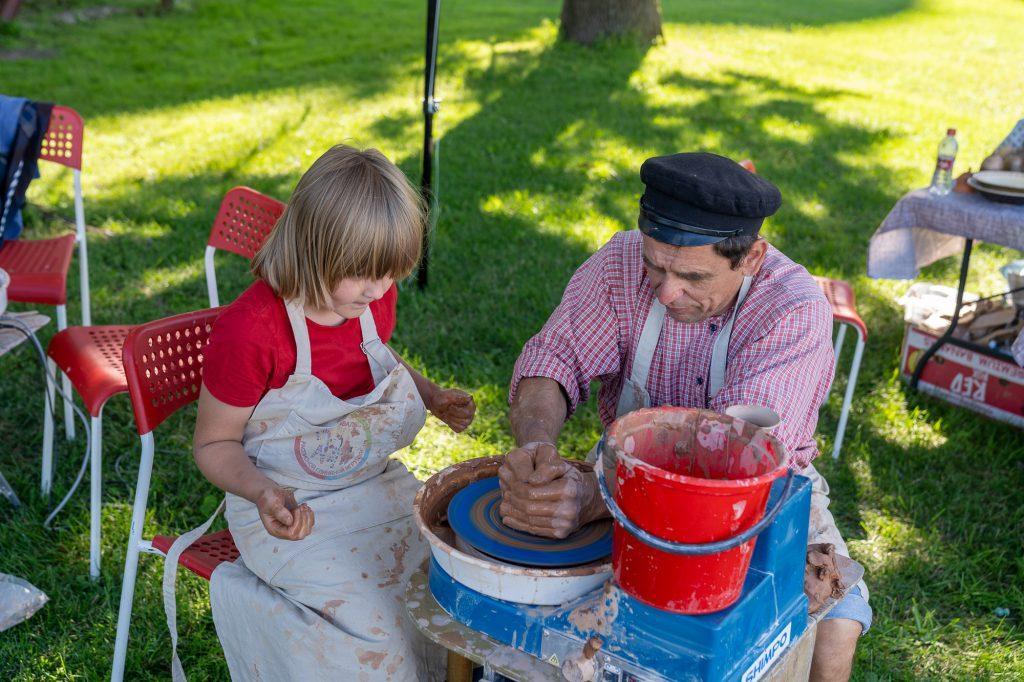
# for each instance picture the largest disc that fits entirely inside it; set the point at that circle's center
(212, 50)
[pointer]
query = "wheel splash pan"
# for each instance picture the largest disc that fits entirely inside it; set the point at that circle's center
(520, 584)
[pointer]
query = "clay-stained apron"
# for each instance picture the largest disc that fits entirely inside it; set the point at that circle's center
(329, 606)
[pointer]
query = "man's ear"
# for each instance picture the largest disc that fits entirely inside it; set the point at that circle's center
(752, 262)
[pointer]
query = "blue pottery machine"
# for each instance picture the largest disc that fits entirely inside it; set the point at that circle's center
(640, 642)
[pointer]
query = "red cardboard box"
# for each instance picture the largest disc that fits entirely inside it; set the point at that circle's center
(993, 387)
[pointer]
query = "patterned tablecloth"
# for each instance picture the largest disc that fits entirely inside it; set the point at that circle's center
(923, 228)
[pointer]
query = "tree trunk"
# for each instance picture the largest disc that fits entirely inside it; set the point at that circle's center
(587, 21)
(9, 9)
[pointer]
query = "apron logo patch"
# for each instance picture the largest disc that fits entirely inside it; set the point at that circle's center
(336, 452)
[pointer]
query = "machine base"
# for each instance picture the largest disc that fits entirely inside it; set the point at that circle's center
(640, 642)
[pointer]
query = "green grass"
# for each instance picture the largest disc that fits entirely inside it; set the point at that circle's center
(841, 104)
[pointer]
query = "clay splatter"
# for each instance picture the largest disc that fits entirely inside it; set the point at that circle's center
(597, 616)
(372, 658)
(394, 575)
(330, 608)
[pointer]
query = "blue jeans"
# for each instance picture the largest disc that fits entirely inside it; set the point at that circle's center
(854, 607)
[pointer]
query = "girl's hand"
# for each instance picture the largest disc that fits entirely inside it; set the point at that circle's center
(454, 407)
(282, 516)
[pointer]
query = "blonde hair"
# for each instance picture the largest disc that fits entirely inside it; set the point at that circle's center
(352, 214)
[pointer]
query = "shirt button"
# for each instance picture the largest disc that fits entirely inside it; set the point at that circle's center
(713, 327)
(700, 381)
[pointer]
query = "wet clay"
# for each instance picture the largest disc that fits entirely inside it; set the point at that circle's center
(433, 499)
(543, 494)
(455, 408)
(597, 616)
(696, 443)
(822, 580)
(431, 512)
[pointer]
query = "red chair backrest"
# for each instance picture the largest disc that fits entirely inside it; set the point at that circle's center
(62, 142)
(163, 362)
(244, 220)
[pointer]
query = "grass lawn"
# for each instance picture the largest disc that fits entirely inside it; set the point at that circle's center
(841, 104)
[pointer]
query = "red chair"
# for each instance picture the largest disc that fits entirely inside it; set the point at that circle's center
(91, 356)
(245, 219)
(39, 267)
(844, 314)
(163, 363)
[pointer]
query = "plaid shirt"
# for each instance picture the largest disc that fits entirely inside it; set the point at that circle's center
(780, 353)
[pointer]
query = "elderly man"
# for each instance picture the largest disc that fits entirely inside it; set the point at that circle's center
(694, 310)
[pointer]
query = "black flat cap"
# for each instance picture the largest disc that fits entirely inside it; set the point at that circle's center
(699, 198)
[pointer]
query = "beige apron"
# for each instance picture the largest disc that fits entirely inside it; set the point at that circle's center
(634, 396)
(329, 606)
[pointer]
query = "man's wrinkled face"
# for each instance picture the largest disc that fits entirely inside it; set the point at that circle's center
(693, 282)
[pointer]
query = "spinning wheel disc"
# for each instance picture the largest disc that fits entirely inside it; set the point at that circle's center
(474, 514)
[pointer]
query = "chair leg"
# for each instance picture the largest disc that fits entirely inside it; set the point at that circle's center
(131, 559)
(83, 255)
(851, 383)
(95, 494)
(49, 394)
(836, 352)
(65, 383)
(211, 277)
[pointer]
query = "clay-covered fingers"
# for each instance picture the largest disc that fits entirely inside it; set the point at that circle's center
(544, 527)
(550, 519)
(547, 465)
(301, 526)
(550, 509)
(455, 408)
(304, 526)
(282, 516)
(517, 467)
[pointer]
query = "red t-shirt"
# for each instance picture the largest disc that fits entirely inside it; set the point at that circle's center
(252, 348)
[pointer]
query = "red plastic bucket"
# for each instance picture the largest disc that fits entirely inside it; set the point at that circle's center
(685, 478)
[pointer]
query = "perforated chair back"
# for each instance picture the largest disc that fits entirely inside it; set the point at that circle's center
(242, 224)
(62, 142)
(163, 365)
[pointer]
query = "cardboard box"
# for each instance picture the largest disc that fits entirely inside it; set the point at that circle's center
(993, 387)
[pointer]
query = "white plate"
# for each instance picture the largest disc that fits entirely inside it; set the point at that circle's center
(1008, 181)
(993, 194)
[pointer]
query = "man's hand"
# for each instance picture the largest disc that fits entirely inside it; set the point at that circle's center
(282, 516)
(544, 495)
(454, 407)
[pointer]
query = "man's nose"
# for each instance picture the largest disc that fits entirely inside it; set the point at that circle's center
(669, 291)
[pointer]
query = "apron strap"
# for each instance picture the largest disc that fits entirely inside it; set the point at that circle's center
(303, 356)
(716, 375)
(634, 391)
(170, 574)
(381, 359)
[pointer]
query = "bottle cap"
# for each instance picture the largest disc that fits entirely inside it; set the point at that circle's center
(951, 131)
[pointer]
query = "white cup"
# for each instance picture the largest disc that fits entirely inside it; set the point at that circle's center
(761, 417)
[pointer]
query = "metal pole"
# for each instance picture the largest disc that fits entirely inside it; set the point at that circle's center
(965, 264)
(430, 107)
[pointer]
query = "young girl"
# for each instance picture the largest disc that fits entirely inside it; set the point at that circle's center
(302, 405)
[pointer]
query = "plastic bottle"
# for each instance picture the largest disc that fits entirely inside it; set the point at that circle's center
(942, 179)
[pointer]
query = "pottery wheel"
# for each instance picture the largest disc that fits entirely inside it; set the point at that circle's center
(474, 514)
